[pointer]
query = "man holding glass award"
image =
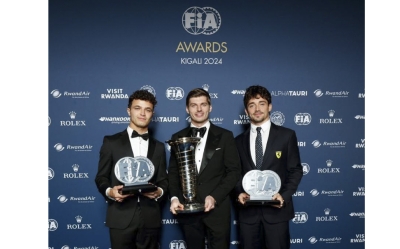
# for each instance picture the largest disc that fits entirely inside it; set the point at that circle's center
(200, 190)
(133, 179)
(271, 173)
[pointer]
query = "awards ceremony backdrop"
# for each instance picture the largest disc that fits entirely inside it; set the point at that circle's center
(309, 54)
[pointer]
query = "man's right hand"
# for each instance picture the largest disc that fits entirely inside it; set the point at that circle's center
(175, 205)
(243, 197)
(115, 193)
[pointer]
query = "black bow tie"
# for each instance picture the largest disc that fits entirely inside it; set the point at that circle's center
(195, 130)
(145, 136)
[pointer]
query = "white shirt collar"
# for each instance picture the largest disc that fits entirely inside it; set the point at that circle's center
(207, 125)
(264, 127)
(130, 130)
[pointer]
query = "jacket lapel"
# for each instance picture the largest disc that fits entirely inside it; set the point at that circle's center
(126, 148)
(211, 145)
(152, 148)
(271, 138)
(246, 145)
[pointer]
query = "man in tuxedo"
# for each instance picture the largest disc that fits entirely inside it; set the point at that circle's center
(134, 219)
(263, 226)
(218, 170)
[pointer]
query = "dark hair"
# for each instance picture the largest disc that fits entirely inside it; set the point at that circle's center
(254, 91)
(142, 95)
(198, 92)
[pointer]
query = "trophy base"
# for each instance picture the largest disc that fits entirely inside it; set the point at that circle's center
(262, 202)
(191, 208)
(138, 189)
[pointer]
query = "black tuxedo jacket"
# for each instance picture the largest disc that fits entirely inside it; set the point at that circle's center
(287, 165)
(119, 214)
(218, 175)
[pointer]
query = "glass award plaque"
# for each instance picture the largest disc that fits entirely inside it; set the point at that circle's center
(135, 173)
(261, 186)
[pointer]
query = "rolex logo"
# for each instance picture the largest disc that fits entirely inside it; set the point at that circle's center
(72, 115)
(206, 87)
(329, 162)
(327, 211)
(78, 218)
(331, 113)
(75, 167)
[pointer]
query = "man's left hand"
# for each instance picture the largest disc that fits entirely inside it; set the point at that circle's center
(209, 203)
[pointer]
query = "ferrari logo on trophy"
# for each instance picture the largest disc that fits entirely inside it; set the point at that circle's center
(135, 173)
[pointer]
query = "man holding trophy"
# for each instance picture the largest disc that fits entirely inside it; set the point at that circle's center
(271, 173)
(204, 168)
(132, 177)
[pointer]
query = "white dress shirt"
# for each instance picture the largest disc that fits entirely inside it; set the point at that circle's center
(200, 147)
(139, 145)
(264, 136)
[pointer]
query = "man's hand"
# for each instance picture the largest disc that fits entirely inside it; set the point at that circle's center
(243, 197)
(154, 194)
(209, 203)
(278, 197)
(115, 193)
(175, 205)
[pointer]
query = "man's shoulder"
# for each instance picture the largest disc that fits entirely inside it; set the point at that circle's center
(157, 141)
(242, 135)
(282, 128)
(180, 132)
(219, 129)
(116, 135)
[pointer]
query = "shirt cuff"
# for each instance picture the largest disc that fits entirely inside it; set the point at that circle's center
(162, 192)
(108, 195)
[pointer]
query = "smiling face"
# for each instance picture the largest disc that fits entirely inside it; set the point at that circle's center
(140, 113)
(258, 110)
(199, 109)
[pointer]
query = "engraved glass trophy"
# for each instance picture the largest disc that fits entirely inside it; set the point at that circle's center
(261, 186)
(135, 173)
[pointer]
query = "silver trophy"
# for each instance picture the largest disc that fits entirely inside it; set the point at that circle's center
(135, 173)
(261, 186)
(185, 149)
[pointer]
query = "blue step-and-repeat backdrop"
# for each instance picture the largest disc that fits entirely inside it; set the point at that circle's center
(309, 54)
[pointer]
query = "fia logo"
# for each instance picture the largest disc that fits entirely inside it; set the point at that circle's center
(302, 119)
(174, 93)
(51, 173)
(300, 217)
(53, 225)
(197, 20)
(306, 168)
(177, 244)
